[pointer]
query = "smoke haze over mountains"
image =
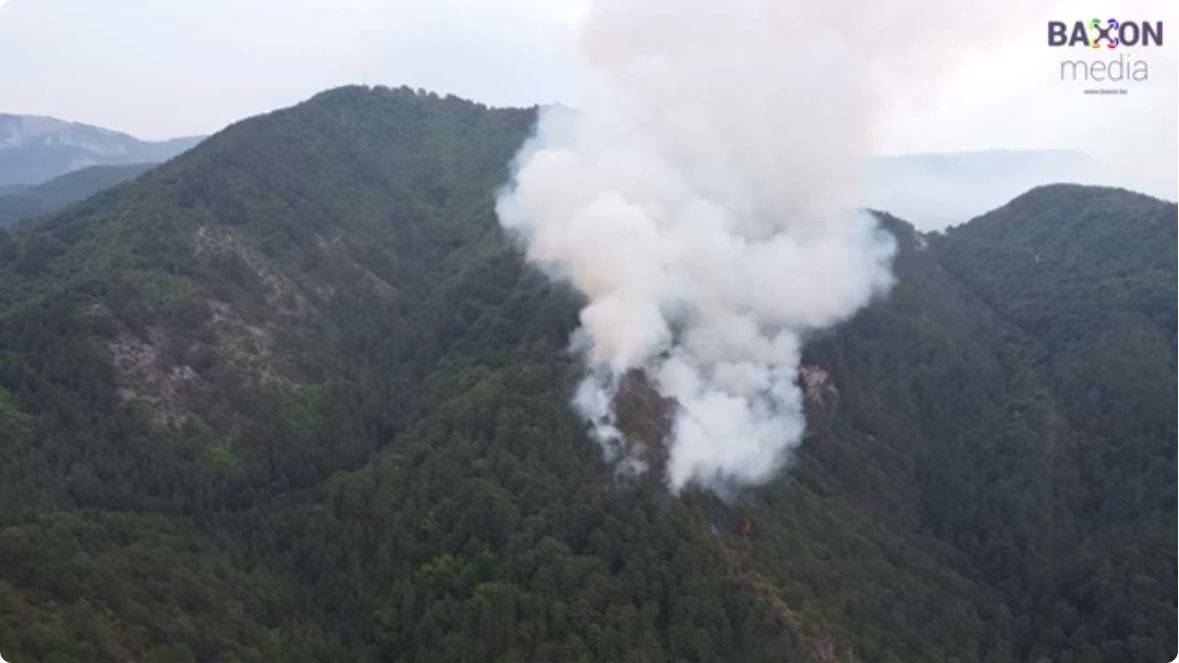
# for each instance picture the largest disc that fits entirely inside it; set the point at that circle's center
(707, 210)
(933, 191)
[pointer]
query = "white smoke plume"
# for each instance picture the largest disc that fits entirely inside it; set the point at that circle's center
(700, 198)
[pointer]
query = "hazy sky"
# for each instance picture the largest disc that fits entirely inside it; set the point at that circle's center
(163, 68)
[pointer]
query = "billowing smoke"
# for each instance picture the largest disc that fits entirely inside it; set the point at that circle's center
(700, 198)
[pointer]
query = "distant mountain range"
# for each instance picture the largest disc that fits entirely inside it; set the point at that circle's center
(931, 190)
(35, 149)
(19, 202)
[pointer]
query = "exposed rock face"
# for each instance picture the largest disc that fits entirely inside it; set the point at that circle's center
(817, 386)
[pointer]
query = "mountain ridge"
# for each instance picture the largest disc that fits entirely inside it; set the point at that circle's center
(18, 204)
(35, 149)
(940, 189)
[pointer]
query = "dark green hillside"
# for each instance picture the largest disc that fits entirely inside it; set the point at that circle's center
(293, 397)
(1086, 276)
(1031, 392)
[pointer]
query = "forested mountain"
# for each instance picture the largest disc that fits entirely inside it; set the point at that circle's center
(35, 149)
(20, 203)
(292, 396)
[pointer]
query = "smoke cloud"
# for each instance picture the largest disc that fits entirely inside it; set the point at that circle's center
(701, 198)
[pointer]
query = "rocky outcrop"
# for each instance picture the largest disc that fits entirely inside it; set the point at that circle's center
(818, 387)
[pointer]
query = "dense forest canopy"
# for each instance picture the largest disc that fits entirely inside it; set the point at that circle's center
(292, 396)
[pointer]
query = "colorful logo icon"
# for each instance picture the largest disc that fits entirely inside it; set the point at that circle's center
(1108, 33)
